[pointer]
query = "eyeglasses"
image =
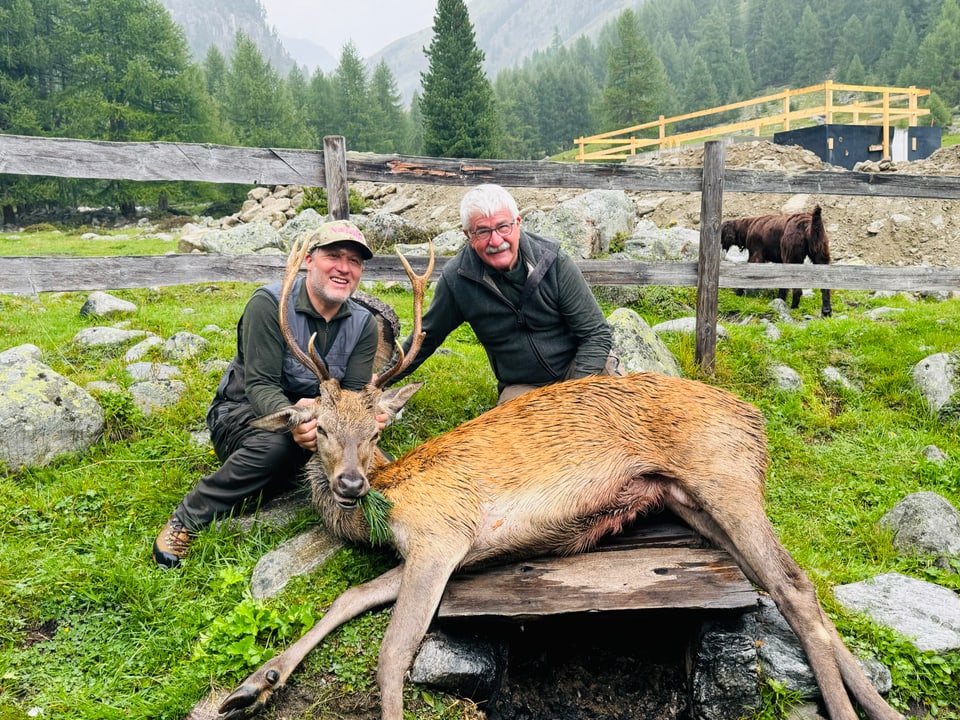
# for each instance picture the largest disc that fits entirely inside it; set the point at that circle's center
(485, 233)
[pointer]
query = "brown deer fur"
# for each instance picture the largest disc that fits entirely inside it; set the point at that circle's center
(551, 471)
(782, 239)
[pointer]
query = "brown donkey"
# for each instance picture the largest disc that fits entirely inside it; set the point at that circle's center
(467, 497)
(782, 239)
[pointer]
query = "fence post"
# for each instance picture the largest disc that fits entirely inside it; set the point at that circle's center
(335, 166)
(708, 262)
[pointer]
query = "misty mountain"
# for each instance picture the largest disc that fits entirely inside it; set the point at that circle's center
(507, 31)
(216, 22)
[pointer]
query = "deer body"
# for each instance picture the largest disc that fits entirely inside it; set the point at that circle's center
(551, 471)
(569, 478)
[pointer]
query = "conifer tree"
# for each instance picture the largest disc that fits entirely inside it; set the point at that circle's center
(457, 103)
(635, 89)
(389, 122)
(351, 93)
(254, 98)
(810, 57)
(938, 53)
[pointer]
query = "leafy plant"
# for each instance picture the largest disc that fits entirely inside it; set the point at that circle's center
(316, 198)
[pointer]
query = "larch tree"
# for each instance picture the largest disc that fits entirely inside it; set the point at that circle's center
(635, 88)
(390, 121)
(351, 94)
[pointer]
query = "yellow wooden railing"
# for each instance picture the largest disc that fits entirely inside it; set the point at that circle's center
(869, 110)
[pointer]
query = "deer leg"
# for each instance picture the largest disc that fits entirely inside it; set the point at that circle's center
(749, 537)
(420, 592)
(257, 689)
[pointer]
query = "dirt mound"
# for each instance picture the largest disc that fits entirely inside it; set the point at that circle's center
(945, 161)
(891, 231)
(757, 154)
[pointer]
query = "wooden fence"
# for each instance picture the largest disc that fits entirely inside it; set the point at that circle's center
(870, 105)
(333, 168)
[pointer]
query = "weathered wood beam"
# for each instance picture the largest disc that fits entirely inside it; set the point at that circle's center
(30, 275)
(150, 161)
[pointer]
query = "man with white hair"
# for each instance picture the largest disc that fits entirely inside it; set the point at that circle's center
(526, 300)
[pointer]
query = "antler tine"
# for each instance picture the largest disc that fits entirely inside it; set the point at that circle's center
(297, 254)
(419, 283)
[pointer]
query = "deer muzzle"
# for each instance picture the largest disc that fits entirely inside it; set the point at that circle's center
(348, 487)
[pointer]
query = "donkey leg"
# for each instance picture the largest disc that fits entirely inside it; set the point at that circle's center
(826, 309)
(257, 689)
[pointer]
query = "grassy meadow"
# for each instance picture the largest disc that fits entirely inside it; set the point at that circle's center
(89, 628)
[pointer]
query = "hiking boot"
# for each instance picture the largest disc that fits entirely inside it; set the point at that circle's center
(172, 543)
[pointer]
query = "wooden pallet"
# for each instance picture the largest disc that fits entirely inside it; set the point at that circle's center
(653, 566)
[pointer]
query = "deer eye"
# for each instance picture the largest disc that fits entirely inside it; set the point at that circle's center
(321, 431)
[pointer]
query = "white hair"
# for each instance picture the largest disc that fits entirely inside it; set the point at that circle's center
(486, 200)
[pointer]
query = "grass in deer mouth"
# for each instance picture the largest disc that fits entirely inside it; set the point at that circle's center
(376, 511)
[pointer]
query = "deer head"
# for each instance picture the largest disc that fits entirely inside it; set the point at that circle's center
(347, 428)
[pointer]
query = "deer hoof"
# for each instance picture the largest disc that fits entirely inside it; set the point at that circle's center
(244, 701)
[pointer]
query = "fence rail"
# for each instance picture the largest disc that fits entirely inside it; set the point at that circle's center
(334, 167)
(873, 105)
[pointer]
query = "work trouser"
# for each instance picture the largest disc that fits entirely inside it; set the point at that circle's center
(509, 392)
(255, 462)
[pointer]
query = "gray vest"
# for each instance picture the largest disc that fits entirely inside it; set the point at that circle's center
(295, 379)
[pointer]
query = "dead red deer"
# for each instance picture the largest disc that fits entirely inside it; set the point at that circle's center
(784, 239)
(468, 497)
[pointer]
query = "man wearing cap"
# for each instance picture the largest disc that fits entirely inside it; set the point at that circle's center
(264, 377)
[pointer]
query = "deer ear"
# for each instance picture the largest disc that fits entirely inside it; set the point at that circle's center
(285, 419)
(393, 400)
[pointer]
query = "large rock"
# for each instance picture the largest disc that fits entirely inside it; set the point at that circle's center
(101, 304)
(107, 337)
(252, 238)
(938, 379)
(925, 613)
(638, 346)
(42, 414)
(585, 225)
(925, 523)
(653, 244)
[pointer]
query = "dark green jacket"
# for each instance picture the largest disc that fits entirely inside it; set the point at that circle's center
(556, 322)
(261, 350)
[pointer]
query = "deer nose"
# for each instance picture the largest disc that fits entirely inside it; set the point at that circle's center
(351, 484)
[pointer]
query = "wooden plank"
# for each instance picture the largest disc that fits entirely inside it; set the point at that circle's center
(31, 275)
(708, 259)
(62, 157)
(621, 576)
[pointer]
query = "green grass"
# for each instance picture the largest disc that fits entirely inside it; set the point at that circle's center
(90, 629)
(47, 241)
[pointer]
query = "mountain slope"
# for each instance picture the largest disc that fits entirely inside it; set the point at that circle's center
(216, 22)
(507, 31)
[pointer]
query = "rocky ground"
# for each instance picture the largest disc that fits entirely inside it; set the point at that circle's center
(863, 230)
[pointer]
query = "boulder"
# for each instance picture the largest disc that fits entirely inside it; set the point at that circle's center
(42, 414)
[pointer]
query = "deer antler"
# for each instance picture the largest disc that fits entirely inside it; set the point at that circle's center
(294, 262)
(419, 283)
